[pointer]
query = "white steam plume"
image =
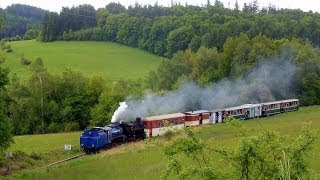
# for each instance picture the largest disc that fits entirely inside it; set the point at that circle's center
(268, 80)
(115, 117)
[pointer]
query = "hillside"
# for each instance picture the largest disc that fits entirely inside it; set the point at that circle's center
(144, 161)
(109, 60)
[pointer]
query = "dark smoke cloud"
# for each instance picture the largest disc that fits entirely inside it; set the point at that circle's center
(268, 80)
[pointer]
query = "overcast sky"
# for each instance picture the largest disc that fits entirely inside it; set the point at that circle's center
(55, 5)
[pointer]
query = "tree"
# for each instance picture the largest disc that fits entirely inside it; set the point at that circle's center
(208, 3)
(38, 85)
(195, 43)
(179, 39)
(115, 8)
(102, 15)
(5, 130)
(49, 29)
(19, 18)
(5, 127)
(31, 34)
(102, 113)
(236, 6)
(95, 88)
(255, 6)
(218, 3)
(246, 8)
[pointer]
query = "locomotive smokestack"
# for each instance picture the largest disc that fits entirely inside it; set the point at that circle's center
(138, 119)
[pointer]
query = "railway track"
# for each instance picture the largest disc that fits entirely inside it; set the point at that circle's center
(63, 161)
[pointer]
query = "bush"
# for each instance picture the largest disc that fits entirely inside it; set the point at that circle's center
(4, 47)
(169, 134)
(24, 61)
(35, 156)
(54, 128)
(3, 161)
(268, 155)
(8, 49)
(72, 126)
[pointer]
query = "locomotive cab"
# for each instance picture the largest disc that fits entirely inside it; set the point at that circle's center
(117, 133)
(94, 139)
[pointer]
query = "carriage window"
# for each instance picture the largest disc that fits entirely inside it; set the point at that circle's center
(149, 124)
(154, 125)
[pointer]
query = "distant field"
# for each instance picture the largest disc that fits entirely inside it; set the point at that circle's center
(141, 161)
(109, 60)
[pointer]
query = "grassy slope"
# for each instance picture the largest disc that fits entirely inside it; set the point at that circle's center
(109, 60)
(139, 161)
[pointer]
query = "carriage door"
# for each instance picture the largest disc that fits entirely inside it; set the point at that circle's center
(216, 117)
(252, 113)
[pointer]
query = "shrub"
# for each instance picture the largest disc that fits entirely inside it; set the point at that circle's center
(3, 161)
(169, 134)
(8, 49)
(24, 61)
(267, 155)
(35, 156)
(54, 128)
(72, 126)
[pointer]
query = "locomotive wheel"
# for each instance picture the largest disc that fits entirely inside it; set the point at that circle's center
(87, 151)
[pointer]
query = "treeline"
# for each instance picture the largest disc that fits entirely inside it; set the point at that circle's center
(18, 19)
(166, 30)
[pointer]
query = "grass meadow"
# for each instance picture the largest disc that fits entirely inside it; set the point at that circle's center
(109, 60)
(145, 160)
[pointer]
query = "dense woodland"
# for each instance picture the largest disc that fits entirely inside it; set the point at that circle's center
(166, 30)
(202, 44)
(18, 19)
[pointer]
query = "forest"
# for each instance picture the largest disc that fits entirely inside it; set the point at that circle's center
(18, 19)
(201, 44)
(166, 30)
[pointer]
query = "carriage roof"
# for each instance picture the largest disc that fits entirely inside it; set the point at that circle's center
(197, 112)
(163, 117)
(278, 102)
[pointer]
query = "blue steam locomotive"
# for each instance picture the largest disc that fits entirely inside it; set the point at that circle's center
(94, 139)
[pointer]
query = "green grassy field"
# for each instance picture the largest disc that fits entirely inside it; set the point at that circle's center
(144, 161)
(45, 143)
(109, 60)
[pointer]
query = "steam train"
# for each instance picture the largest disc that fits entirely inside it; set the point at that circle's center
(94, 139)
